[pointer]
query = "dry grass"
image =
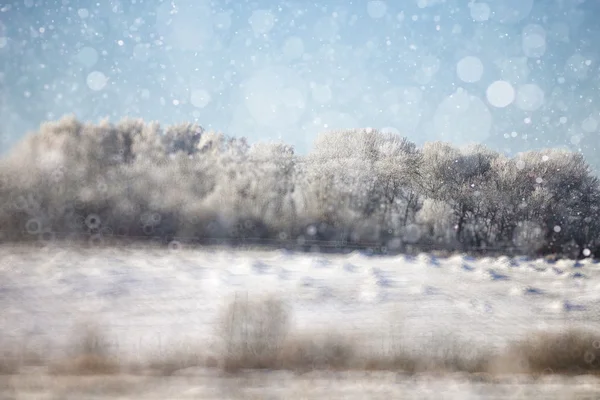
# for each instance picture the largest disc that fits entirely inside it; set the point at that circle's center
(446, 353)
(179, 358)
(568, 352)
(392, 361)
(9, 363)
(438, 355)
(14, 356)
(89, 354)
(318, 352)
(255, 334)
(86, 364)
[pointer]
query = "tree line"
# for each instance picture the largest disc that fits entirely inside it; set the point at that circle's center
(359, 186)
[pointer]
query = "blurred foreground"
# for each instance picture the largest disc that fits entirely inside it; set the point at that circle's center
(132, 322)
(285, 386)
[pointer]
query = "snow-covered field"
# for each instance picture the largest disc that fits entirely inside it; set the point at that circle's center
(152, 299)
(145, 295)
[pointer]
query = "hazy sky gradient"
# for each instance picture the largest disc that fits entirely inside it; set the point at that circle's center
(428, 69)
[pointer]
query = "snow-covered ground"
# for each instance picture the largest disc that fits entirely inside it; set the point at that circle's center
(148, 299)
(287, 386)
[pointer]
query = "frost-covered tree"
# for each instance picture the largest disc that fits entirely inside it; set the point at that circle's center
(364, 180)
(137, 179)
(458, 178)
(397, 170)
(274, 165)
(565, 198)
(182, 137)
(438, 219)
(340, 176)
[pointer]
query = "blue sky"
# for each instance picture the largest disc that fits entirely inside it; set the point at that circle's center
(511, 74)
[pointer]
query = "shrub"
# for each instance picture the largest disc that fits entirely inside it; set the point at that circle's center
(253, 332)
(572, 351)
(88, 355)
